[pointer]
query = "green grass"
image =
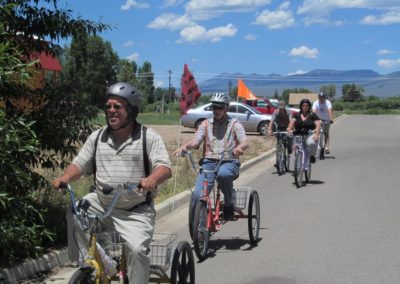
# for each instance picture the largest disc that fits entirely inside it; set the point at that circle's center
(148, 118)
(156, 118)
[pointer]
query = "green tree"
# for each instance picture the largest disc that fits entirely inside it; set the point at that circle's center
(276, 94)
(352, 92)
(146, 82)
(126, 71)
(38, 138)
(91, 66)
(329, 90)
(233, 93)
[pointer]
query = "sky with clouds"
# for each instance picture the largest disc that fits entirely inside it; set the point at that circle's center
(250, 36)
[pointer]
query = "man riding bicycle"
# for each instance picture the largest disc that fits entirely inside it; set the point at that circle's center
(306, 123)
(121, 152)
(223, 137)
(280, 120)
(323, 108)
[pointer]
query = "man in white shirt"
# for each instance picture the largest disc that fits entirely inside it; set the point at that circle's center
(323, 108)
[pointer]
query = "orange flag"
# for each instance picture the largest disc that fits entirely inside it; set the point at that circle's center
(244, 92)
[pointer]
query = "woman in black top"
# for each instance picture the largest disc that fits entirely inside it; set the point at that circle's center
(303, 123)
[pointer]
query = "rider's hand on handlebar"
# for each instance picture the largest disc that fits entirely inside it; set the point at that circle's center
(180, 151)
(59, 184)
(147, 184)
(237, 151)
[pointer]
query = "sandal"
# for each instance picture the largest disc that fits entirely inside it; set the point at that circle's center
(327, 151)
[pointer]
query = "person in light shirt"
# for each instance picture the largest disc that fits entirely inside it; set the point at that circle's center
(223, 137)
(323, 108)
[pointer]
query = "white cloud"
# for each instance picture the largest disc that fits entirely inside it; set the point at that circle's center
(133, 57)
(391, 17)
(129, 43)
(207, 9)
(134, 4)
(385, 51)
(317, 11)
(298, 72)
(389, 63)
(304, 51)
(278, 19)
(326, 6)
(171, 22)
(158, 83)
(250, 37)
(171, 3)
(198, 33)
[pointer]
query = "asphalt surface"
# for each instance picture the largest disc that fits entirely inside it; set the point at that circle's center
(342, 227)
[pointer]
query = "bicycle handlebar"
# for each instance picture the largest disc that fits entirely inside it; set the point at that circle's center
(132, 187)
(189, 154)
(281, 132)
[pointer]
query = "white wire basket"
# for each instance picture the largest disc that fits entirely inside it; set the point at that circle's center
(161, 250)
(160, 247)
(240, 197)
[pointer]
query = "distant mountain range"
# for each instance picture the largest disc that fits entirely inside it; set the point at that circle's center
(374, 83)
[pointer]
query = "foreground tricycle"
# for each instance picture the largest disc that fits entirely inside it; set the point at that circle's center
(105, 262)
(207, 217)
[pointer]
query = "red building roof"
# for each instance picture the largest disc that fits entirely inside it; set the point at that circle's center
(47, 61)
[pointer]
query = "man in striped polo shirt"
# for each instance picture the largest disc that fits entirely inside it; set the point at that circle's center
(223, 137)
(117, 154)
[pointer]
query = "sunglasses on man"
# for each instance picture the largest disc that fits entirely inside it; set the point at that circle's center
(114, 106)
(217, 107)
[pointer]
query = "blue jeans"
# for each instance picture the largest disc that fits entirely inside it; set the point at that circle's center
(227, 172)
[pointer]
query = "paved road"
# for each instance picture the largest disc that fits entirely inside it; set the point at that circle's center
(342, 227)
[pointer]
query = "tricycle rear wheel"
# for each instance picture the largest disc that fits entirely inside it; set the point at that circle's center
(182, 270)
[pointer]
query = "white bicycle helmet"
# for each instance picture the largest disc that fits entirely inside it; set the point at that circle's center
(125, 91)
(220, 98)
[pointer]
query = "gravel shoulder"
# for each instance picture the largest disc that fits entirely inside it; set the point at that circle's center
(175, 135)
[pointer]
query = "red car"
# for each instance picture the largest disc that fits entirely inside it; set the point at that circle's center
(265, 106)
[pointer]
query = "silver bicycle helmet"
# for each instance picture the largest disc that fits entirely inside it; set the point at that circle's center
(220, 98)
(125, 91)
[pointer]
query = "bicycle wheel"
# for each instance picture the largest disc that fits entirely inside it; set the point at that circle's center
(322, 146)
(307, 173)
(298, 169)
(83, 276)
(182, 270)
(287, 160)
(201, 233)
(280, 158)
(254, 217)
(190, 217)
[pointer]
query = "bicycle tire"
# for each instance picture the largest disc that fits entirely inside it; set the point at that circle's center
(307, 173)
(280, 163)
(298, 168)
(201, 233)
(182, 269)
(82, 276)
(254, 217)
(190, 216)
(322, 146)
(287, 161)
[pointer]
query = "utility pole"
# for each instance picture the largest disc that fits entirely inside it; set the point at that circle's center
(169, 85)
